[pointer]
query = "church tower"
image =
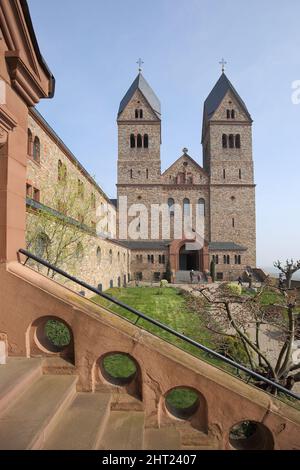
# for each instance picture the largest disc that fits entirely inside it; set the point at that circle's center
(227, 158)
(139, 136)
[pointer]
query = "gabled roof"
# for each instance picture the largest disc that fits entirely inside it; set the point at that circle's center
(185, 155)
(216, 96)
(141, 84)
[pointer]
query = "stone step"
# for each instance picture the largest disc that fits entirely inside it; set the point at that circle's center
(82, 424)
(58, 366)
(192, 438)
(15, 377)
(124, 431)
(162, 439)
(28, 422)
(125, 402)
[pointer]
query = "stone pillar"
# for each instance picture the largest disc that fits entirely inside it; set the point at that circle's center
(13, 145)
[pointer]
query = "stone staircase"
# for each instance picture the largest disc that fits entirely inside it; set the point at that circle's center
(40, 408)
(183, 277)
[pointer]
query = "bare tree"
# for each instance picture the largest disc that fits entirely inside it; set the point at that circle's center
(58, 234)
(288, 269)
(236, 315)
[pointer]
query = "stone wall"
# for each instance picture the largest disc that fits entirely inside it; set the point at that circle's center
(111, 266)
(43, 175)
(102, 263)
(151, 268)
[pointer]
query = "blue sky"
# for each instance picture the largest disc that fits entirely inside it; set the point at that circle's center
(92, 47)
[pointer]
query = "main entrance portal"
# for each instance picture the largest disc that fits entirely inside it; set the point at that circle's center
(189, 260)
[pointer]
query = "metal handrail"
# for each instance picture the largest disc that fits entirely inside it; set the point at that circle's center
(161, 325)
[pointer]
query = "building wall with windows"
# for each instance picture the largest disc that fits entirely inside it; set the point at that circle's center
(224, 187)
(53, 173)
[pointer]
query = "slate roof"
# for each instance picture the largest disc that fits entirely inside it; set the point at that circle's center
(225, 246)
(141, 84)
(146, 245)
(114, 202)
(216, 96)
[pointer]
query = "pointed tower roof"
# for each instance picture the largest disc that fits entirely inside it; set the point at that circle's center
(216, 96)
(141, 84)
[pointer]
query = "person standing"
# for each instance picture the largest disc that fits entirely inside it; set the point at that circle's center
(192, 276)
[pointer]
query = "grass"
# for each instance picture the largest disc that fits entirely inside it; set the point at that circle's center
(182, 398)
(170, 307)
(57, 333)
(268, 297)
(119, 365)
(166, 305)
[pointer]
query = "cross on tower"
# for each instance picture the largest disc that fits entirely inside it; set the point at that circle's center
(223, 63)
(140, 63)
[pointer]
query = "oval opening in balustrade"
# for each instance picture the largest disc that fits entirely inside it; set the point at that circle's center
(53, 335)
(118, 368)
(182, 402)
(250, 435)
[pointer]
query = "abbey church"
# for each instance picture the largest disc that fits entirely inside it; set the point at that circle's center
(219, 190)
(61, 235)
(222, 188)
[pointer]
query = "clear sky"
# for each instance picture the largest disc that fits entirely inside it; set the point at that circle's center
(92, 47)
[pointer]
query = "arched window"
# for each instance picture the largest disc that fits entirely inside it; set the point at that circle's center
(131, 173)
(233, 222)
(146, 141)
(141, 114)
(238, 141)
(139, 141)
(224, 174)
(239, 259)
(132, 141)
(217, 259)
(36, 149)
(231, 141)
(99, 255)
(61, 171)
(224, 141)
(186, 206)
(240, 174)
(201, 207)
(29, 142)
(228, 113)
(225, 259)
(171, 203)
(93, 200)
(110, 256)
(136, 114)
(147, 173)
(41, 243)
(228, 259)
(79, 250)
(232, 114)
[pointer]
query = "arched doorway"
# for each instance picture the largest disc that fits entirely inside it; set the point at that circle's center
(189, 259)
(182, 257)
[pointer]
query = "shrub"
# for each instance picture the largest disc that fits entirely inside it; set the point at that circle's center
(233, 288)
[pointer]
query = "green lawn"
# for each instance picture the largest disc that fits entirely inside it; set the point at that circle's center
(268, 297)
(167, 305)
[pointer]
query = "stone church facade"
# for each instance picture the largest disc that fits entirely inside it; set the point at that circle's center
(222, 190)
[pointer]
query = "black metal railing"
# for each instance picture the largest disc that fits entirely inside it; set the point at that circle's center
(211, 352)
